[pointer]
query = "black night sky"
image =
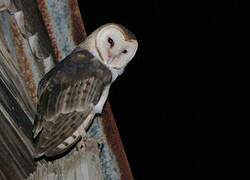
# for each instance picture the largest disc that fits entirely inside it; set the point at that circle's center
(183, 104)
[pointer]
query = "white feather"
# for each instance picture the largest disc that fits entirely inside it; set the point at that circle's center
(99, 106)
(61, 146)
(69, 140)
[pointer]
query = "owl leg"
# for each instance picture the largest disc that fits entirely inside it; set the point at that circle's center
(82, 130)
(87, 123)
(82, 143)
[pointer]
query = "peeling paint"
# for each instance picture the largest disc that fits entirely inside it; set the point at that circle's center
(114, 142)
(50, 27)
(23, 61)
(56, 17)
(78, 32)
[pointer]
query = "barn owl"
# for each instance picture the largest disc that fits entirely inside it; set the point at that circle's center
(75, 90)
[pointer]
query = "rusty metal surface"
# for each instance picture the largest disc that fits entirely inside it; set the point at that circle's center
(25, 38)
(114, 142)
(24, 54)
(78, 32)
(10, 68)
(113, 157)
(64, 25)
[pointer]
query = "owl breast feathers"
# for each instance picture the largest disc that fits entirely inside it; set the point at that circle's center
(67, 97)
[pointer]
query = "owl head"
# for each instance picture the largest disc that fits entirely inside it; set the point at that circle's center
(113, 45)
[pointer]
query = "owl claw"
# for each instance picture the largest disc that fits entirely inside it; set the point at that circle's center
(82, 144)
(99, 142)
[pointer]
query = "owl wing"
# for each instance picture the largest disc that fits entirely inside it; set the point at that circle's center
(67, 95)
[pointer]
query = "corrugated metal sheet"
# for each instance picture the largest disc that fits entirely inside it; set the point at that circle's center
(22, 55)
(78, 165)
(64, 25)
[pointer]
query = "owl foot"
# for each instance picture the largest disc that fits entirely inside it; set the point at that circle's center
(82, 144)
(98, 141)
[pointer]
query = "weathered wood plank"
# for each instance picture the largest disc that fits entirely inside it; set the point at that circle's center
(14, 154)
(78, 165)
(21, 68)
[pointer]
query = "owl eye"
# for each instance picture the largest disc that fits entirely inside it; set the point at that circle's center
(125, 51)
(111, 42)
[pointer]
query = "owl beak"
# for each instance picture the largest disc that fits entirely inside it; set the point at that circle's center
(110, 57)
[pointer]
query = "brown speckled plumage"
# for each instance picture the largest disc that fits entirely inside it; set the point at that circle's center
(67, 95)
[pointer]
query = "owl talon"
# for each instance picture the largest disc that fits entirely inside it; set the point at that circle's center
(81, 144)
(99, 141)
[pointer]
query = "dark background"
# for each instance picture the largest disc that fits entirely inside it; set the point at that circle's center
(182, 106)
